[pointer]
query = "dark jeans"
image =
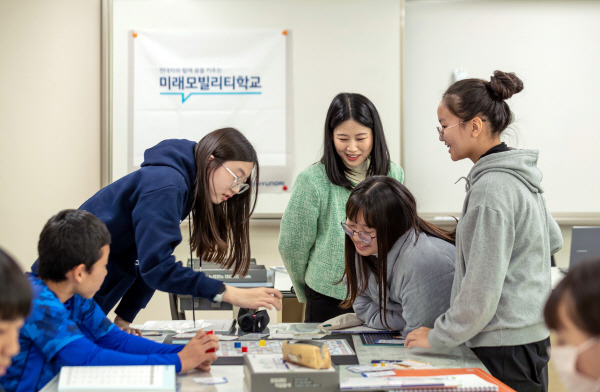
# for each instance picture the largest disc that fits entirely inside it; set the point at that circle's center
(320, 307)
(524, 368)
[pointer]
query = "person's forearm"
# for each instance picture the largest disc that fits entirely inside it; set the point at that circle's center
(82, 352)
(123, 342)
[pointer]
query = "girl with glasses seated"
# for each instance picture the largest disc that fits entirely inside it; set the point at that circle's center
(399, 268)
(214, 180)
(311, 242)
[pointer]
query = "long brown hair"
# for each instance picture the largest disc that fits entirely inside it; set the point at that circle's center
(389, 208)
(220, 232)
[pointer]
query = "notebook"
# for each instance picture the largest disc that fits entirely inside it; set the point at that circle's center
(138, 378)
(454, 371)
(456, 382)
(381, 338)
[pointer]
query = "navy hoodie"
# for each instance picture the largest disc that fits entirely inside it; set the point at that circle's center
(143, 211)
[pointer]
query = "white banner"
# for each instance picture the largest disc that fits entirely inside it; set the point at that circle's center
(189, 83)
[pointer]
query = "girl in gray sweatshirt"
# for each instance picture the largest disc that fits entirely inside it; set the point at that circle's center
(399, 269)
(504, 240)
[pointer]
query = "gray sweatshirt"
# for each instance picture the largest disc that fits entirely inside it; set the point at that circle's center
(419, 281)
(504, 241)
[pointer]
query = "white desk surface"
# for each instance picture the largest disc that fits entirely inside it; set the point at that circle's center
(459, 357)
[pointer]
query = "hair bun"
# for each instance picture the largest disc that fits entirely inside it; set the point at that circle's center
(504, 85)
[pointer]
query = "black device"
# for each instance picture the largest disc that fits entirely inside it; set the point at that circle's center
(250, 320)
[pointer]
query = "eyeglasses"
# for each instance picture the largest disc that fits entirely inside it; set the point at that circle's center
(441, 130)
(364, 237)
(238, 182)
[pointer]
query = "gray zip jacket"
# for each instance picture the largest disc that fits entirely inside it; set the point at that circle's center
(504, 241)
(419, 281)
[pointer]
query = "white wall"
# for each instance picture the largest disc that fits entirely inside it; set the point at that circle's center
(333, 46)
(50, 126)
(553, 46)
(49, 115)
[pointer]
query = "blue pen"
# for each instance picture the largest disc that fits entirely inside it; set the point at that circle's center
(387, 361)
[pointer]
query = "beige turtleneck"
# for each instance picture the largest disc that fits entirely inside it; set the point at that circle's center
(359, 173)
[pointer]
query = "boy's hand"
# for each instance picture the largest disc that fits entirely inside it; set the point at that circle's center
(195, 355)
(125, 326)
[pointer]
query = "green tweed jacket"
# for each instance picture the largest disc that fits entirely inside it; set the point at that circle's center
(311, 240)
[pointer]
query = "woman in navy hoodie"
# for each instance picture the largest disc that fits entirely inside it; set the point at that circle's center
(214, 181)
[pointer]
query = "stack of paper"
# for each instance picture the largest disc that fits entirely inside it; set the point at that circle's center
(139, 378)
(360, 329)
(180, 326)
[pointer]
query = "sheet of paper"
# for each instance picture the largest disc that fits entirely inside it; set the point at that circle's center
(283, 282)
(398, 342)
(210, 380)
(181, 326)
(281, 336)
(228, 337)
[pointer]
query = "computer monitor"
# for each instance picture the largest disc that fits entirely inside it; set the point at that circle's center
(585, 244)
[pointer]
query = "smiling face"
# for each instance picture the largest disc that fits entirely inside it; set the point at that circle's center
(455, 135)
(362, 248)
(221, 180)
(9, 342)
(353, 142)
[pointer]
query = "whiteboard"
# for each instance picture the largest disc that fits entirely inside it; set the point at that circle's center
(333, 46)
(553, 46)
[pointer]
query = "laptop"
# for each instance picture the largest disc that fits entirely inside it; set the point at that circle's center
(585, 244)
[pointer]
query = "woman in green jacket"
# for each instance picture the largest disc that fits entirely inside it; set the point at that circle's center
(311, 241)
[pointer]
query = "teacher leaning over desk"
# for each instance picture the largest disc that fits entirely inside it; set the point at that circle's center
(214, 180)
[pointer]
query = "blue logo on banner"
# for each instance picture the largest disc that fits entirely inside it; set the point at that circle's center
(186, 97)
(208, 85)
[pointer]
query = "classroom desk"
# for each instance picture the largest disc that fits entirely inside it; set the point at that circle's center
(459, 357)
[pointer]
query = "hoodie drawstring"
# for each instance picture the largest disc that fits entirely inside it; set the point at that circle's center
(467, 183)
